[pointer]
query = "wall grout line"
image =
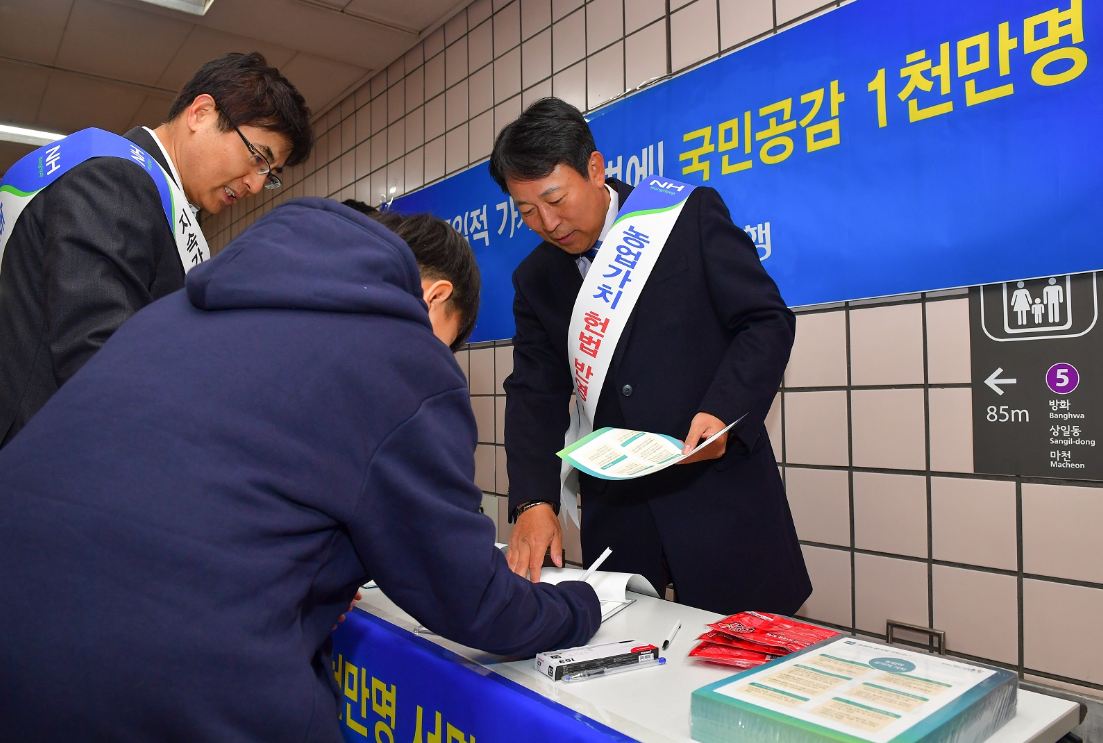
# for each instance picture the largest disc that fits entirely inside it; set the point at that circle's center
(927, 463)
(1020, 635)
(849, 459)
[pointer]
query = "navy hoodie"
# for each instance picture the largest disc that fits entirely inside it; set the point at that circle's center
(183, 522)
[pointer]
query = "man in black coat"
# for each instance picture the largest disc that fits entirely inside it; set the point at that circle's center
(95, 246)
(706, 343)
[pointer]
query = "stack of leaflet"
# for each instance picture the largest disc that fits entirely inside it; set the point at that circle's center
(611, 588)
(751, 638)
(845, 689)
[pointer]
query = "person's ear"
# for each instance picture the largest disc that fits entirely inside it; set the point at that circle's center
(596, 167)
(200, 112)
(436, 291)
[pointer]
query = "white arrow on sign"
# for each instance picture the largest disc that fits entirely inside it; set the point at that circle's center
(994, 381)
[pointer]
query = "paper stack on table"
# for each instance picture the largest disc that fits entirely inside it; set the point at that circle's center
(846, 689)
(611, 588)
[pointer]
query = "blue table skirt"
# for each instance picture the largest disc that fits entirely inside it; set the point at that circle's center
(397, 686)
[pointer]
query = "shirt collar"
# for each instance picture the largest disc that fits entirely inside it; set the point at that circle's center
(172, 166)
(611, 214)
(583, 261)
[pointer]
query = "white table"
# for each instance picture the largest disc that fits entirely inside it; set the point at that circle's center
(652, 705)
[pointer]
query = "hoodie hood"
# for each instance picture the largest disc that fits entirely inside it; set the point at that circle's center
(312, 254)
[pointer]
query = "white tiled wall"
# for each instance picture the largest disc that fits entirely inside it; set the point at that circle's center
(894, 506)
(973, 522)
(888, 588)
(872, 428)
(890, 513)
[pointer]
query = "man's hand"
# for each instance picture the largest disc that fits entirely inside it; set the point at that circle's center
(536, 529)
(701, 427)
(351, 604)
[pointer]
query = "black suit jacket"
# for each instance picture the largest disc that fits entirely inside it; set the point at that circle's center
(86, 254)
(710, 332)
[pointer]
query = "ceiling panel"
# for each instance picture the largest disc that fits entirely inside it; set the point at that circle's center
(120, 42)
(153, 111)
(69, 64)
(73, 102)
(313, 29)
(415, 15)
(205, 44)
(320, 80)
(21, 89)
(10, 152)
(31, 29)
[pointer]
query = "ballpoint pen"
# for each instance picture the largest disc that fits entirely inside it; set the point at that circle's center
(596, 564)
(595, 672)
(670, 635)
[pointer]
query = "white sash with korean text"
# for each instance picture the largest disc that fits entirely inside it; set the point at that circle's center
(606, 300)
(35, 171)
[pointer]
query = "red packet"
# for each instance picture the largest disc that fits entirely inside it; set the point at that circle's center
(719, 638)
(729, 656)
(771, 630)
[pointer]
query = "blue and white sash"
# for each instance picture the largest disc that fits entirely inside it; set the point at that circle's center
(37, 170)
(606, 300)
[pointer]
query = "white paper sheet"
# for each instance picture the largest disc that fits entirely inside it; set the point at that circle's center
(624, 454)
(611, 588)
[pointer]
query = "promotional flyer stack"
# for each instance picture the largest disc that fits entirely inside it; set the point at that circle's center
(840, 688)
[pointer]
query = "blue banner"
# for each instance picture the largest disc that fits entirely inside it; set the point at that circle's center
(883, 148)
(395, 686)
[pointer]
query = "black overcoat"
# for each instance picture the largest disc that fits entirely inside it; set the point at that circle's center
(710, 333)
(87, 253)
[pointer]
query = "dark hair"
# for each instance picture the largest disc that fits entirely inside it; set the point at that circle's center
(548, 133)
(249, 92)
(441, 253)
(360, 206)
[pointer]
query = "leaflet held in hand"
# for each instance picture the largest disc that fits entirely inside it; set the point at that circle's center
(623, 454)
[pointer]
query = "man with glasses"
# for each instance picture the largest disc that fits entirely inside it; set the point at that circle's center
(261, 164)
(94, 246)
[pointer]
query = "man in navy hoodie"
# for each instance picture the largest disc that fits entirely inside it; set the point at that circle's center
(183, 522)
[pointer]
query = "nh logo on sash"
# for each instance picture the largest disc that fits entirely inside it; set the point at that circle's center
(667, 185)
(53, 159)
(36, 170)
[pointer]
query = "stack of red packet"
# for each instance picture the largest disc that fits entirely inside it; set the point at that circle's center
(751, 638)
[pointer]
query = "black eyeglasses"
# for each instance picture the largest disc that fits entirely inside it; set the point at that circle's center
(262, 165)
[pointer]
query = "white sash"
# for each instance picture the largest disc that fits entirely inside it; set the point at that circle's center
(605, 302)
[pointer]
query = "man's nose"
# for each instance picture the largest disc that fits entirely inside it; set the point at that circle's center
(550, 218)
(255, 182)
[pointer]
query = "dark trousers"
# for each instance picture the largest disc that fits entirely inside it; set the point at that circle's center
(721, 531)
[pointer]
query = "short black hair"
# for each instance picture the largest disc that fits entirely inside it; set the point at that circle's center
(250, 93)
(441, 253)
(549, 132)
(360, 206)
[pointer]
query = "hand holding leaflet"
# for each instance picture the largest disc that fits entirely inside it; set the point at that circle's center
(622, 454)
